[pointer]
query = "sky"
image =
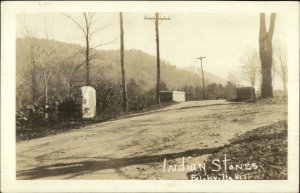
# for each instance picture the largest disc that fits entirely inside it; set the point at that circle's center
(222, 38)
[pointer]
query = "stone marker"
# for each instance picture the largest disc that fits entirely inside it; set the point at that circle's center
(88, 102)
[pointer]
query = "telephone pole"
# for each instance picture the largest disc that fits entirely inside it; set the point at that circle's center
(124, 92)
(200, 58)
(157, 18)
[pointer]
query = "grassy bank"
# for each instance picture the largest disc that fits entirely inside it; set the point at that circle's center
(260, 154)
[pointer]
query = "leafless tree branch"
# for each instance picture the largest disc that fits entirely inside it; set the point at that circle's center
(78, 24)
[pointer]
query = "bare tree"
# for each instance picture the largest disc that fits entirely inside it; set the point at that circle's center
(281, 60)
(233, 79)
(125, 102)
(251, 67)
(31, 72)
(88, 30)
(68, 79)
(274, 70)
(265, 53)
(45, 61)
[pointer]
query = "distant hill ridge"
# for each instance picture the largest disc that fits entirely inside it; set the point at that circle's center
(210, 77)
(139, 65)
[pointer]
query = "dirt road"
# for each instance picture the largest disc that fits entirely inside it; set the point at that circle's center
(135, 147)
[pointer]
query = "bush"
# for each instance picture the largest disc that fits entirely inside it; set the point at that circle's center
(70, 108)
(108, 100)
(30, 116)
(138, 97)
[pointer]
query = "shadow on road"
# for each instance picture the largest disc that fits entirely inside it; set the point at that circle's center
(84, 167)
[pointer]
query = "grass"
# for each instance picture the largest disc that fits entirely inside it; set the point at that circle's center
(264, 150)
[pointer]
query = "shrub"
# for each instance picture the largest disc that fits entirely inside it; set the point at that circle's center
(69, 108)
(138, 97)
(108, 100)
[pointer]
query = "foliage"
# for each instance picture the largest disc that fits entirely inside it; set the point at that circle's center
(108, 99)
(213, 91)
(68, 75)
(139, 97)
(70, 108)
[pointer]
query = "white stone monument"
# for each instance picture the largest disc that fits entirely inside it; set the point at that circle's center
(88, 102)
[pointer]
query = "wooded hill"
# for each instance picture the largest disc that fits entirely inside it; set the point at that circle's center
(105, 65)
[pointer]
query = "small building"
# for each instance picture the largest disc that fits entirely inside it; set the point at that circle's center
(172, 96)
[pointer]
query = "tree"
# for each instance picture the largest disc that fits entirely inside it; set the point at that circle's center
(211, 89)
(76, 65)
(87, 28)
(163, 86)
(281, 60)
(265, 53)
(31, 72)
(188, 92)
(233, 79)
(45, 62)
(274, 70)
(124, 93)
(215, 91)
(250, 68)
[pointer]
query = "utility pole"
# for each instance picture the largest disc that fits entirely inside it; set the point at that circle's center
(125, 103)
(157, 18)
(200, 58)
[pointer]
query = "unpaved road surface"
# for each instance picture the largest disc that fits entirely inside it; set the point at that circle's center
(135, 147)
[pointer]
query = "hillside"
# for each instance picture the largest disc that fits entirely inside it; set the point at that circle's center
(139, 65)
(209, 77)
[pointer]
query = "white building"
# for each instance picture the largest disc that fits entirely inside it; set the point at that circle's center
(169, 96)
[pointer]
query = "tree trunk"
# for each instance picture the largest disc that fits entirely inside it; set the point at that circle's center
(33, 78)
(283, 75)
(87, 60)
(46, 98)
(125, 103)
(265, 52)
(70, 88)
(253, 79)
(46, 92)
(87, 53)
(33, 94)
(284, 87)
(33, 86)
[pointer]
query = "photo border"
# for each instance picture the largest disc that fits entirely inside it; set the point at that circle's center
(8, 82)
